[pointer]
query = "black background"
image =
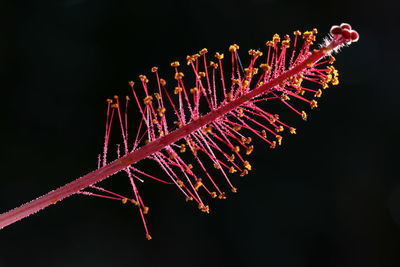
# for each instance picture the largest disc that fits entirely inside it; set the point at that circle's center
(329, 197)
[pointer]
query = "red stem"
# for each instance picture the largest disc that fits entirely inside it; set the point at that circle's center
(98, 175)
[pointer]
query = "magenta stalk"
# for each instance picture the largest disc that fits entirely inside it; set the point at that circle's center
(100, 174)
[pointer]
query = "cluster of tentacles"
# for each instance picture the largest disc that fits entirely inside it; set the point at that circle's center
(224, 142)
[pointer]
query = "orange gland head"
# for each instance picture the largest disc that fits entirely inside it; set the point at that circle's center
(247, 165)
(219, 56)
(313, 104)
(175, 64)
(145, 210)
(203, 51)
(198, 184)
(249, 150)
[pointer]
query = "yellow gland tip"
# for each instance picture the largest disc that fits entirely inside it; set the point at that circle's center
(230, 97)
(145, 210)
(194, 90)
(213, 64)
(163, 82)
(264, 133)
(204, 208)
(207, 130)
(198, 184)
(249, 150)
(177, 90)
(313, 104)
(219, 56)
(179, 75)
(183, 148)
(232, 48)
(276, 38)
(147, 100)
(269, 43)
(180, 183)
(195, 56)
(285, 44)
(161, 111)
(265, 67)
(247, 165)
(279, 129)
(237, 128)
(143, 78)
(175, 64)
(285, 97)
(273, 145)
(304, 115)
(245, 172)
(279, 138)
(189, 59)
(203, 51)
(235, 149)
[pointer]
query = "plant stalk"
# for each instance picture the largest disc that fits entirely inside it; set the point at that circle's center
(102, 173)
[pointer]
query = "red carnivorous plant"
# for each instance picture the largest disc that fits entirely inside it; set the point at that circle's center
(212, 118)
